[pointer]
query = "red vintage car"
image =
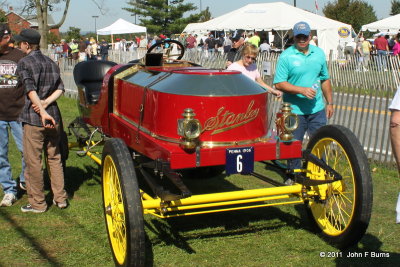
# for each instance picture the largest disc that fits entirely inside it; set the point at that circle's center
(163, 120)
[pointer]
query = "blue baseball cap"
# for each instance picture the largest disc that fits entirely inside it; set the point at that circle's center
(301, 27)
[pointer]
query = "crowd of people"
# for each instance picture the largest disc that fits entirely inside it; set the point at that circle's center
(223, 43)
(362, 50)
(79, 50)
(89, 48)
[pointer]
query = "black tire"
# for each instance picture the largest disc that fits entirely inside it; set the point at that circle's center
(125, 227)
(343, 216)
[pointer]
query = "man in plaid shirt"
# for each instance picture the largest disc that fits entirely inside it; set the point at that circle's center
(41, 119)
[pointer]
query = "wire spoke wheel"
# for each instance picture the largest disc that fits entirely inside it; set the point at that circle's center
(335, 210)
(115, 216)
(122, 205)
(341, 210)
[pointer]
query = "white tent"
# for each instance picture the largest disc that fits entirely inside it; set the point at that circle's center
(390, 24)
(195, 28)
(280, 17)
(121, 26)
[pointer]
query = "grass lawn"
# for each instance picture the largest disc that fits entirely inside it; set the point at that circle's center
(272, 236)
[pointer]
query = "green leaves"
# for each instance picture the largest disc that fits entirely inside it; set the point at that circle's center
(354, 12)
(163, 16)
(395, 9)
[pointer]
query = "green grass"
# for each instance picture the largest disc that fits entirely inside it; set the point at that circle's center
(273, 236)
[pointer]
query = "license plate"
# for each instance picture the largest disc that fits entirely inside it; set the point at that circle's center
(240, 160)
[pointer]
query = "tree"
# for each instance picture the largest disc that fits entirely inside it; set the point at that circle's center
(395, 9)
(52, 38)
(354, 12)
(3, 18)
(163, 16)
(73, 33)
(205, 15)
(41, 9)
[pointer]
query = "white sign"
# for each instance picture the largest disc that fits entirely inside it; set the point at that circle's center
(266, 66)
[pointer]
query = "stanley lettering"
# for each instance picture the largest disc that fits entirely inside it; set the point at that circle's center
(226, 120)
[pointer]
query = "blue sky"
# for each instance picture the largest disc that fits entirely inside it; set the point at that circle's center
(81, 11)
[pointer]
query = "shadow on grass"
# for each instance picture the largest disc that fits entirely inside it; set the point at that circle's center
(29, 238)
(178, 232)
(74, 177)
(174, 231)
(370, 254)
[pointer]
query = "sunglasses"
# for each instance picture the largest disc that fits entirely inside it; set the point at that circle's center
(301, 37)
(249, 57)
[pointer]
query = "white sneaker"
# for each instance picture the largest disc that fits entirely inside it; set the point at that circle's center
(61, 205)
(8, 200)
(385, 70)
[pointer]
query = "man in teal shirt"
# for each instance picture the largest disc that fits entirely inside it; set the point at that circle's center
(302, 75)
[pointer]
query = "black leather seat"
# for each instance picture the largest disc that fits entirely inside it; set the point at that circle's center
(88, 76)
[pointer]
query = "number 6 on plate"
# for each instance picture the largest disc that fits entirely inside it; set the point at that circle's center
(240, 160)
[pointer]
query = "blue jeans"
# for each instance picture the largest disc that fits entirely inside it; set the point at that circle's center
(7, 182)
(382, 54)
(310, 124)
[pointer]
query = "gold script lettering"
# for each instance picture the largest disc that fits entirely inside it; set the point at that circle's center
(226, 120)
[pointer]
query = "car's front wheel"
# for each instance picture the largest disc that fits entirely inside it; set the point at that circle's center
(123, 209)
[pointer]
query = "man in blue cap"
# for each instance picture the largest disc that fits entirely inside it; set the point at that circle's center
(302, 75)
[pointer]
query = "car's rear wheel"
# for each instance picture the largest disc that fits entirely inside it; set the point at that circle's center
(123, 209)
(341, 210)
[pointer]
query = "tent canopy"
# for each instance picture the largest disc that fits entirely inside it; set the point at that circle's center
(269, 16)
(390, 24)
(121, 26)
(195, 28)
(276, 16)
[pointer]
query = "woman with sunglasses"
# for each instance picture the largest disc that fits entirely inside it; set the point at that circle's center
(246, 65)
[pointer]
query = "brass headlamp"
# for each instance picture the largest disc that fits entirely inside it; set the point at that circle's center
(189, 128)
(286, 122)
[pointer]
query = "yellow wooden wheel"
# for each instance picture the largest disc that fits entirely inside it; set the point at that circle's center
(342, 209)
(114, 209)
(122, 205)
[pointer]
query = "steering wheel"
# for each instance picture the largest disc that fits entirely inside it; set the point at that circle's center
(168, 51)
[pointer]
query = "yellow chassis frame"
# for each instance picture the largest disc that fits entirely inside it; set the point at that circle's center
(219, 202)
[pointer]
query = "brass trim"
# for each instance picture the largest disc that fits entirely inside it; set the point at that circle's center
(117, 77)
(147, 131)
(205, 144)
(278, 149)
(211, 144)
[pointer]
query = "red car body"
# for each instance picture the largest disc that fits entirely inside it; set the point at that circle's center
(144, 106)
